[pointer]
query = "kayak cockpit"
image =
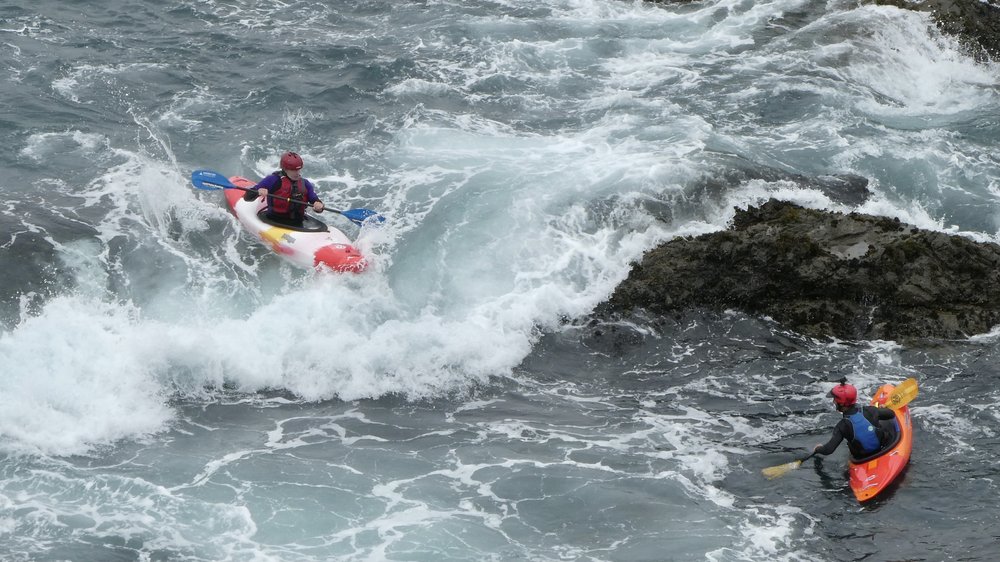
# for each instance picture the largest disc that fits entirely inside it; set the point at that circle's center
(309, 223)
(897, 435)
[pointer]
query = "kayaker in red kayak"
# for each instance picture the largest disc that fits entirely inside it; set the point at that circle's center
(293, 192)
(867, 429)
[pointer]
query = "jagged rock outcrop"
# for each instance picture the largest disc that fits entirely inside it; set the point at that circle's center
(824, 274)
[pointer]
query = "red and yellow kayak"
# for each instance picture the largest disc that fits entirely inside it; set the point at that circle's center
(313, 245)
(872, 475)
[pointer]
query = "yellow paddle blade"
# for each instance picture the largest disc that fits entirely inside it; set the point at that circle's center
(775, 471)
(902, 394)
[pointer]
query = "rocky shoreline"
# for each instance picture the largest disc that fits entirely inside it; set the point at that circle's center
(823, 274)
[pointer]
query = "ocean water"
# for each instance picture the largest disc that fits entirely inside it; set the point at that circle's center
(171, 390)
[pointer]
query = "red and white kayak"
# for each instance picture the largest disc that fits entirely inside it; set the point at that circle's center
(315, 244)
(872, 475)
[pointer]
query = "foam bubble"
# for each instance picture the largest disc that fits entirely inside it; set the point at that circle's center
(76, 380)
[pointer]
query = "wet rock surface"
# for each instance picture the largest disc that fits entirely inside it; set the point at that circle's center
(823, 274)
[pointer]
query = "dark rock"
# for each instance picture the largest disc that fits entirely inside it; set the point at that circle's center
(823, 274)
(848, 189)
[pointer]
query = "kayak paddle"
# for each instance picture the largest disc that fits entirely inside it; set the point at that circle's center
(902, 394)
(773, 472)
(211, 181)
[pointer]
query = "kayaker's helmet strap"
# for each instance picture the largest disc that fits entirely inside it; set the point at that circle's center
(844, 394)
(291, 161)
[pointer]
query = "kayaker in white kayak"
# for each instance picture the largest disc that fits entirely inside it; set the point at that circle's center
(867, 429)
(293, 193)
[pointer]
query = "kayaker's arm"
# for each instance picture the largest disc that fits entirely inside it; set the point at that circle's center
(831, 445)
(262, 188)
(253, 194)
(311, 196)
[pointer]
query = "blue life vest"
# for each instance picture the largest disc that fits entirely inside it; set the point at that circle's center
(864, 432)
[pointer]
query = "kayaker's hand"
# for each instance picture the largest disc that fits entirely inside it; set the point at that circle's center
(318, 206)
(262, 192)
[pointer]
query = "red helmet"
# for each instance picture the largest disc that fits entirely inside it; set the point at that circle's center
(291, 161)
(844, 394)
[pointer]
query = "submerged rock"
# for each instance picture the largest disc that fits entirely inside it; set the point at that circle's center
(823, 274)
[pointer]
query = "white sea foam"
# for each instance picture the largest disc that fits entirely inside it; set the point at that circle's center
(416, 86)
(493, 235)
(67, 503)
(501, 226)
(923, 74)
(76, 379)
(43, 145)
(80, 81)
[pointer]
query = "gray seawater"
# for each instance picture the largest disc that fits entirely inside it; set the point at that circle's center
(171, 390)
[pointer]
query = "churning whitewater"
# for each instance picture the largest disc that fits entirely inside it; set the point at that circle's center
(171, 389)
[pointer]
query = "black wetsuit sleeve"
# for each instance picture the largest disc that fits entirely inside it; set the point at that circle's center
(834, 442)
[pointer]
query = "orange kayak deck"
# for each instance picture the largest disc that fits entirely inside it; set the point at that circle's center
(875, 474)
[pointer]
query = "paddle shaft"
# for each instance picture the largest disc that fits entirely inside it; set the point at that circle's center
(777, 471)
(248, 190)
(210, 180)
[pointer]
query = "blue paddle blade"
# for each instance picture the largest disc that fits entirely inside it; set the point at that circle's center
(361, 215)
(209, 180)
